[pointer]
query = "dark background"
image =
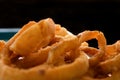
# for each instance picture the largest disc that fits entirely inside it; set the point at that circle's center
(75, 15)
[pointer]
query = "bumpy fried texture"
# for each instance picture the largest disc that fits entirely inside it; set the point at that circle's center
(2, 44)
(40, 34)
(5, 51)
(47, 51)
(88, 35)
(112, 60)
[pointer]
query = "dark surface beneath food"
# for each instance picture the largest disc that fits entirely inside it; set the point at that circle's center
(75, 15)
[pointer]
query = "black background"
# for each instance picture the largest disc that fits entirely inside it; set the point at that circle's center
(75, 15)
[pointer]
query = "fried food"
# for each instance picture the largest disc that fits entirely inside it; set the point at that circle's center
(47, 51)
(2, 44)
(112, 60)
(88, 35)
(47, 72)
(5, 51)
(40, 34)
(54, 54)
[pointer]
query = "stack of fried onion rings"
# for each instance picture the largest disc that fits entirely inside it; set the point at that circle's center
(46, 51)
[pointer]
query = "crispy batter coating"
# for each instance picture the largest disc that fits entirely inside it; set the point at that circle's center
(47, 51)
(39, 35)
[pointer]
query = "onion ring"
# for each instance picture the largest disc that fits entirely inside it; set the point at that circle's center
(32, 59)
(63, 47)
(41, 56)
(88, 35)
(44, 29)
(110, 65)
(57, 54)
(5, 52)
(45, 71)
(111, 62)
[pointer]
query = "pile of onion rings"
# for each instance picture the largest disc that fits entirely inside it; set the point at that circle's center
(44, 50)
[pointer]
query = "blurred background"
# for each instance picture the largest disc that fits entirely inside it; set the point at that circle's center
(75, 15)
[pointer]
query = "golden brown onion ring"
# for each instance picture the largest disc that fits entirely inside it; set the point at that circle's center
(32, 59)
(88, 35)
(5, 52)
(110, 65)
(70, 71)
(46, 72)
(40, 34)
(42, 54)
(65, 45)
(112, 59)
